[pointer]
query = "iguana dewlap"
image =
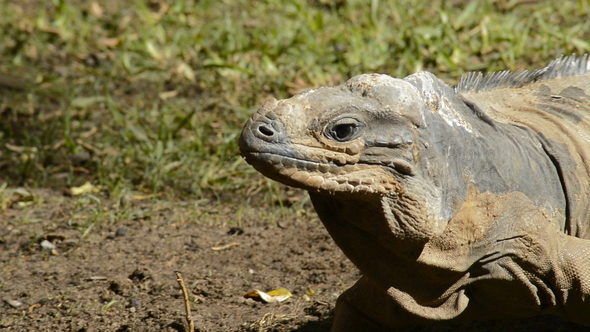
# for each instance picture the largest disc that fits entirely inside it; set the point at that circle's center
(455, 203)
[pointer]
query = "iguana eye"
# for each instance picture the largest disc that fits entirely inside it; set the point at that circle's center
(344, 129)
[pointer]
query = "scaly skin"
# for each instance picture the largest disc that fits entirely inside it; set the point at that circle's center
(456, 205)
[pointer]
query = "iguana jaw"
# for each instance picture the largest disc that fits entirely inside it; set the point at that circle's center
(313, 176)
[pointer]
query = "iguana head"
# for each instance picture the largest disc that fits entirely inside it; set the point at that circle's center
(356, 138)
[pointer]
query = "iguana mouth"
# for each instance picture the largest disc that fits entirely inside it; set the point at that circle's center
(397, 164)
(278, 160)
(316, 176)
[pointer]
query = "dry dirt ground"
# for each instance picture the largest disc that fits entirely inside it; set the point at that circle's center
(120, 275)
(118, 272)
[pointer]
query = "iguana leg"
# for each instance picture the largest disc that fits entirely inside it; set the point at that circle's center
(364, 307)
(575, 263)
(350, 319)
(556, 269)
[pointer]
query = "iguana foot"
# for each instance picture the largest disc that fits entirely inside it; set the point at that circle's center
(379, 314)
(350, 319)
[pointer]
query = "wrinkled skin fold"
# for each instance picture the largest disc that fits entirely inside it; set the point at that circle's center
(456, 204)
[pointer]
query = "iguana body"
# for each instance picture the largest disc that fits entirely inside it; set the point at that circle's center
(455, 204)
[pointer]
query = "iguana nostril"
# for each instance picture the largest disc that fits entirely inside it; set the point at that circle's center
(266, 131)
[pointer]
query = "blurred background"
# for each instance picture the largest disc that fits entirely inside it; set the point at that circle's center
(150, 95)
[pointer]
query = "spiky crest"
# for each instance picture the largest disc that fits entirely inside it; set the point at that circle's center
(564, 66)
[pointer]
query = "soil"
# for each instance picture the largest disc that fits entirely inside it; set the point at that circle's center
(120, 275)
(86, 263)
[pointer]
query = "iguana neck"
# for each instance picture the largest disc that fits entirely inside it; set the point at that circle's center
(461, 147)
(494, 161)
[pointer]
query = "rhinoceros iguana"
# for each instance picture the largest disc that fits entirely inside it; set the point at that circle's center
(456, 204)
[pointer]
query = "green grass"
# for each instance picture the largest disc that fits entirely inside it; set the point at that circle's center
(150, 96)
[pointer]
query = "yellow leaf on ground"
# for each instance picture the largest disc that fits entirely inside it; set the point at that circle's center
(83, 189)
(277, 295)
(144, 197)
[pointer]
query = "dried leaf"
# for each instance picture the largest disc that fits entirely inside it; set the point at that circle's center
(60, 32)
(227, 246)
(171, 262)
(34, 306)
(89, 133)
(97, 278)
(109, 42)
(186, 71)
(276, 295)
(14, 303)
(19, 149)
(167, 94)
(24, 194)
(144, 197)
(83, 189)
(138, 132)
(153, 51)
(24, 204)
(172, 165)
(96, 9)
(83, 102)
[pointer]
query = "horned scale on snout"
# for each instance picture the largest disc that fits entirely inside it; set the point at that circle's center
(455, 204)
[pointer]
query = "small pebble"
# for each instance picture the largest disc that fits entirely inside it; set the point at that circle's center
(135, 303)
(121, 231)
(125, 200)
(80, 158)
(47, 246)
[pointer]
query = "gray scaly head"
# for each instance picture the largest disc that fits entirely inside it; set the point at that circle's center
(356, 138)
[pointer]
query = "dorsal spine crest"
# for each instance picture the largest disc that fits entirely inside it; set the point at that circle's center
(564, 66)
